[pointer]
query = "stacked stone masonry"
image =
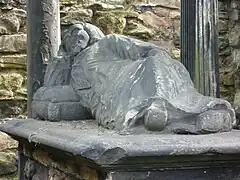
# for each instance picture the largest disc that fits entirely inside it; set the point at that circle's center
(156, 21)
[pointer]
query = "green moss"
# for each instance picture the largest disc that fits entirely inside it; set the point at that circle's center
(68, 2)
(138, 30)
(12, 84)
(112, 21)
(7, 163)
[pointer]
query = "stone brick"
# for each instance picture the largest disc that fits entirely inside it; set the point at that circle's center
(227, 78)
(152, 20)
(12, 85)
(223, 15)
(172, 4)
(235, 15)
(223, 43)
(138, 30)
(9, 4)
(13, 43)
(6, 142)
(57, 175)
(7, 163)
(223, 26)
(111, 21)
(235, 4)
(175, 15)
(12, 21)
(237, 102)
(236, 56)
(18, 61)
(234, 38)
(11, 109)
(81, 15)
(110, 4)
(68, 2)
(161, 11)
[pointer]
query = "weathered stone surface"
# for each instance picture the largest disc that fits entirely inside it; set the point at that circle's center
(68, 2)
(111, 21)
(223, 26)
(58, 175)
(13, 108)
(107, 147)
(234, 37)
(223, 43)
(12, 21)
(227, 78)
(13, 16)
(138, 30)
(10, 4)
(106, 4)
(13, 43)
(237, 102)
(6, 143)
(7, 163)
(12, 85)
(81, 15)
(13, 61)
(172, 4)
(150, 19)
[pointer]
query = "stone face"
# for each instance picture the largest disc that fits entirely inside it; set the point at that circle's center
(13, 43)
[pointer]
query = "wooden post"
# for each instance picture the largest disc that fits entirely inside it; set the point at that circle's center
(43, 31)
(199, 44)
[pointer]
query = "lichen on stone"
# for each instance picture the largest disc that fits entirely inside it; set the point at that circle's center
(112, 21)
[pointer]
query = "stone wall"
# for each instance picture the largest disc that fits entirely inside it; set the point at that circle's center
(13, 93)
(227, 65)
(234, 43)
(156, 21)
(12, 58)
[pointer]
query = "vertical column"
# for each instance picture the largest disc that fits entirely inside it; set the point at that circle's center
(199, 44)
(43, 31)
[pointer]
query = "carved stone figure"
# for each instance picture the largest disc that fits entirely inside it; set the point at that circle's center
(125, 83)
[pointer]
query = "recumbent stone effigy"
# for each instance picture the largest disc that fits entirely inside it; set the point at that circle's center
(125, 84)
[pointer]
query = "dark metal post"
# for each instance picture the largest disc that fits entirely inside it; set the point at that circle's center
(199, 44)
(43, 31)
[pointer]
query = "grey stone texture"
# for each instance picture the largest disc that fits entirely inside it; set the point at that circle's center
(83, 150)
(125, 83)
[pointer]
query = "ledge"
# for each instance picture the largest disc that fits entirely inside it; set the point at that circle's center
(105, 147)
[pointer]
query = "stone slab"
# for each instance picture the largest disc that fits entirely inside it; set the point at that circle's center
(181, 174)
(105, 147)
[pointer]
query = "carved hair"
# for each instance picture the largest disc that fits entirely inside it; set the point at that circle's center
(94, 33)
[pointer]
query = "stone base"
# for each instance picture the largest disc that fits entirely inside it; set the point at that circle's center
(81, 150)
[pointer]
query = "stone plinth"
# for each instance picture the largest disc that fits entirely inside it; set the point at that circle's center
(81, 150)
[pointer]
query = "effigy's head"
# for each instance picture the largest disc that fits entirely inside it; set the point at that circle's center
(79, 36)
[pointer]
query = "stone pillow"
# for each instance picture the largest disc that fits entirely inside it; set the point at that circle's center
(58, 103)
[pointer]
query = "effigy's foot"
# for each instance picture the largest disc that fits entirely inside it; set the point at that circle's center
(213, 121)
(155, 117)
